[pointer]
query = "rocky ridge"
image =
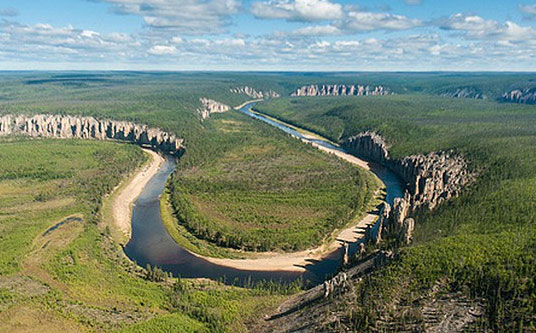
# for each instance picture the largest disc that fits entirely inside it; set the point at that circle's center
(465, 92)
(431, 179)
(253, 93)
(209, 106)
(341, 90)
(68, 127)
(523, 96)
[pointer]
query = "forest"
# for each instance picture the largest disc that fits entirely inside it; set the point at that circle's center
(481, 244)
(265, 191)
(242, 185)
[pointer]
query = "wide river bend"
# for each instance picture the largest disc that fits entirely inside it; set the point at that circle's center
(150, 242)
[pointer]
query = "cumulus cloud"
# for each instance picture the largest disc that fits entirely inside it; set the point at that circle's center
(367, 21)
(162, 50)
(47, 41)
(316, 30)
(195, 17)
(476, 27)
(462, 42)
(343, 20)
(298, 10)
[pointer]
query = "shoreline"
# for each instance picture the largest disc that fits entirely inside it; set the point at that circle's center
(121, 205)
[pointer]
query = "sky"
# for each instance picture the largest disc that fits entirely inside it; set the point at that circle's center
(271, 35)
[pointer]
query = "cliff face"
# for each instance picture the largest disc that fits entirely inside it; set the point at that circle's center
(253, 93)
(340, 90)
(431, 179)
(67, 127)
(209, 106)
(524, 96)
(465, 92)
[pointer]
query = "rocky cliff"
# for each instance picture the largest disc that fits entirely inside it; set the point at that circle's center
(524, 96)
(67, 127)
(340, 90)
(431, 178)
(209, 106)
(253, 93)
(465, 92)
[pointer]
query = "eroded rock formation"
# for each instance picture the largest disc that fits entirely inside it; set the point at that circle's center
(253, 93)
(209, 106)
(67, 127)
(431, 179)
(340, 90)
(465, 92)
(523, 96)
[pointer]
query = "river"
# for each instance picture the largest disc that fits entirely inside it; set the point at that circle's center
(150, 242)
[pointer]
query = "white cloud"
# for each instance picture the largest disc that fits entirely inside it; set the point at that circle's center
(194, 17)
(47, 41)
(413, 2)
(317, 30)
(367, 21)
(162, 50)
(298, 10)
(468, 41)
(177, 40)
(89, 33)
(476, 27)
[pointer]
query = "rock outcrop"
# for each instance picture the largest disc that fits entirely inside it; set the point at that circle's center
(68, 127)
(435, 177)
(523, 96)
(465, 92)
(431, 179)
(340, 90)
(253, 93)
(209, 106)
(393, 223)
(369, 144)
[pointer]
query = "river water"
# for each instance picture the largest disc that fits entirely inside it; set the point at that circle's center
(151, 243)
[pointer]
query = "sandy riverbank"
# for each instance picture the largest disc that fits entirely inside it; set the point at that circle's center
(122, 203)
(272, 261)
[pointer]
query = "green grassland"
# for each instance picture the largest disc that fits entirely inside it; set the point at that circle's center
(75, 278)
(482, 243)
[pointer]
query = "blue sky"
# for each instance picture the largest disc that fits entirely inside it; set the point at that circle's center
(420, 35)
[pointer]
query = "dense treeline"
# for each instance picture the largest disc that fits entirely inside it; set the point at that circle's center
(482, 243)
